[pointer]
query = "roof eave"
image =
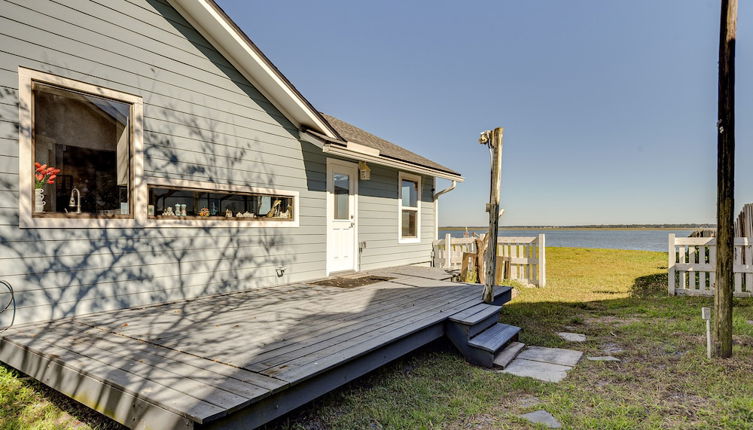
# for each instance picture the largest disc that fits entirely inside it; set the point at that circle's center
(220, 30)
(338, 149)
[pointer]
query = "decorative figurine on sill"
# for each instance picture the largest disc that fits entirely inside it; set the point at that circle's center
(177, 209)
(228, 213)
(204, 212)
(182, 210)
(275, 210)
(168, 212)
(214, 211)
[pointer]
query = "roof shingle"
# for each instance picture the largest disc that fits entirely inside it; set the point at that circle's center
(386, 149)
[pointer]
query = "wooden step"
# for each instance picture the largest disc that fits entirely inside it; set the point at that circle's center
(504, 357)
(494, 338)
(475, 314)
(502, 295)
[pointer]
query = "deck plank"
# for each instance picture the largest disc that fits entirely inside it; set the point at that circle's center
(276, 357)
(208, 357)
(247, 320)
(175, 401)
(143, 362)
(311, 368)
(345, 349)
(166, 355)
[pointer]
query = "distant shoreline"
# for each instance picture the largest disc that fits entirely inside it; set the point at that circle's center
(574, 228)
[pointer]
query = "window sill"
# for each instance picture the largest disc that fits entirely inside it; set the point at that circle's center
(218, 222)
(72, 222)
(409, 240)
(75, 221)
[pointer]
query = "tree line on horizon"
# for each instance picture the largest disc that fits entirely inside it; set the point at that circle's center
(607, 226)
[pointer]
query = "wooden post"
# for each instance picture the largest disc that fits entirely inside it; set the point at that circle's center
(482, 244)
(542, 261)
(448, 251)
(672, 256)
(725, 246)
(495, 143)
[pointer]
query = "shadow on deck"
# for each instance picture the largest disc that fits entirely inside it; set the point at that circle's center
(236, 360)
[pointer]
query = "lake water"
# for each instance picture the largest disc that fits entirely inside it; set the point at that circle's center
(641, 240)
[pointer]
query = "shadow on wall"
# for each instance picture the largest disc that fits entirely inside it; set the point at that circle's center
(61, 273)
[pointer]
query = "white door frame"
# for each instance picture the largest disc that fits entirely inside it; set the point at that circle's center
(331, 162)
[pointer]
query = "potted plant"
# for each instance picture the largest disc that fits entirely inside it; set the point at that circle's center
(43, 174)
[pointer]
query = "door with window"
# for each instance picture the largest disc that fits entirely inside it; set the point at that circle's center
(342, 182)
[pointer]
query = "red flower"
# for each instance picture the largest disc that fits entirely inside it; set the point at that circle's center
(36, 164)
(52, 177)
(39, 176)
(41, 168)
(50, 181)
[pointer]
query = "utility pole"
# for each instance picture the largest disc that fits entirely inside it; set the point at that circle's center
(493, 138)
(725, 247)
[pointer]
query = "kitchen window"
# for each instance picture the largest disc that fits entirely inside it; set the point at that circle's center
(82, 145)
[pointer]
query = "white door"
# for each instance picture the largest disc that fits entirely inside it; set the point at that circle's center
(342, 183)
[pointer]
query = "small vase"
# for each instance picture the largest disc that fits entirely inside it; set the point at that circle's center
(39, 200)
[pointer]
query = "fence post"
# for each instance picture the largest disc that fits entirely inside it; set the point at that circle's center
(671, 265)
(448, 251)
(542, 261)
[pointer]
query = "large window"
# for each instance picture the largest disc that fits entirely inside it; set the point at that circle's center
(81, 153)
(182, 203)
(410, 207)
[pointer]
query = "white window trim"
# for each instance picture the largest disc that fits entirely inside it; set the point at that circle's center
(25, 163)
(417, 179)
(140, 191)
(211, 186)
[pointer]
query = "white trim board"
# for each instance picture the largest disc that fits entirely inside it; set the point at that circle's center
(214, 24)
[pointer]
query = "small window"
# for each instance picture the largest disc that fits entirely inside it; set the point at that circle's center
(81, 153)
(181, 203)
(342, 196)
(410, 210)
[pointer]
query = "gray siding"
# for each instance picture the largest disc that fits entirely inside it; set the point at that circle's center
(378, 221)
(203, 121)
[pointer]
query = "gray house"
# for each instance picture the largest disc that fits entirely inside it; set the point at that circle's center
(149, 152)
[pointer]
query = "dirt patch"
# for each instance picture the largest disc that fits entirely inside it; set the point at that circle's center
(347, 282)
(610, 320)
(476, 422)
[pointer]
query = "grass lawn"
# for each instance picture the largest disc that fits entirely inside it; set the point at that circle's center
(617, 298)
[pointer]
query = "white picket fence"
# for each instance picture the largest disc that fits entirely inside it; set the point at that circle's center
(527, 255)
(692, 266)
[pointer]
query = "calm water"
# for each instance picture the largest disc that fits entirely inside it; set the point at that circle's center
(642, 240)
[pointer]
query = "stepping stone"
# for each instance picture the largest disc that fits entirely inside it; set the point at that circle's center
(546, 372)
(604, 358)
(528, 401)
(611, 348)
(542, 417)
(564, 357)
(572, 337)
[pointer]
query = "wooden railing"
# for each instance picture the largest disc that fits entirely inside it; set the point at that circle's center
(692, 266)
(527, 255)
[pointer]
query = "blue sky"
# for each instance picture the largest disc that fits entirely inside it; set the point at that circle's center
(609, 108)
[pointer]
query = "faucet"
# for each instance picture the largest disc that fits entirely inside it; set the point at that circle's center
(75, 203)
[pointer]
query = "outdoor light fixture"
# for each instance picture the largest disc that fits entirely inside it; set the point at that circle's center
(364, 172)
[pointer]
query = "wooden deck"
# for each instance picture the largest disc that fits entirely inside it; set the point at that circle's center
(237, 360)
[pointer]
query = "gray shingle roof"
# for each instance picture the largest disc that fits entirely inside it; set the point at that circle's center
(386, 149)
